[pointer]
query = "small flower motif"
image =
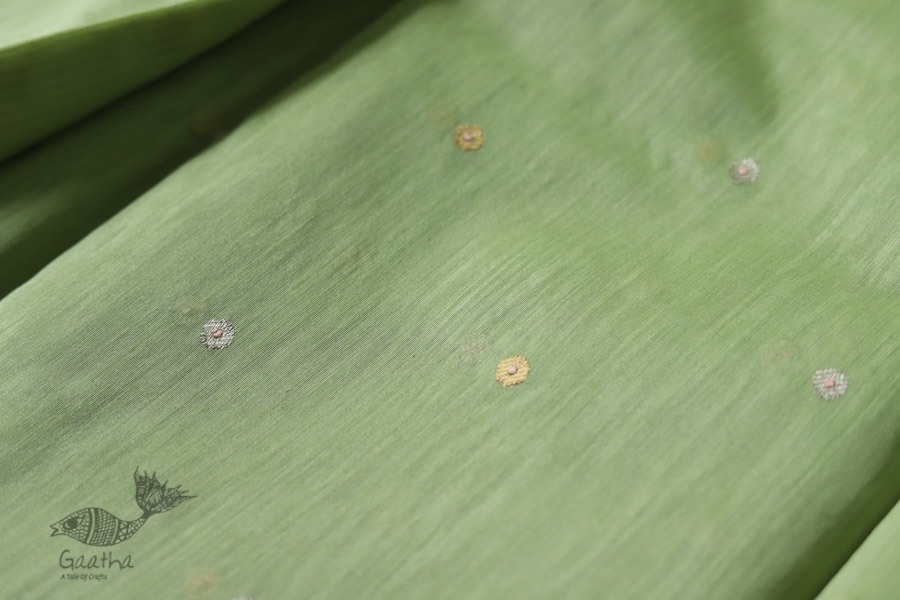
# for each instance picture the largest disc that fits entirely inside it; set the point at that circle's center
(469, 137)
(512, 370)
(208, 125)
(829, 383)
(707, 150)
(201, 583)
(217, 333)
(473, 348)
(744, 171)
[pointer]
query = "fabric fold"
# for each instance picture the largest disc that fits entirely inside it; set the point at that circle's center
(871, 573)
(58, 77)
(567, 350)
(55, 193)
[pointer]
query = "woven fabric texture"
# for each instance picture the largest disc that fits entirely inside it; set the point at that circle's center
(353, 441)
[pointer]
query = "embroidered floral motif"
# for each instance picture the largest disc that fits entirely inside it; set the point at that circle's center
(744, 171)
(217, 333)
(707, 150)
(512, 370)
(781, 352)
(830, 383)
(470, 352)
(208, 125)
(469, 137)
(201, 584)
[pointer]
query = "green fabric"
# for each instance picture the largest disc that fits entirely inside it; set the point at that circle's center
(871, 574)
(352, 441)
(54, 195)
(81, 54)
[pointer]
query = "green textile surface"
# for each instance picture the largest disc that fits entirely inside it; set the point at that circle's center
(53, 195)
(78, 55)
(352, 441)
(872, 573)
